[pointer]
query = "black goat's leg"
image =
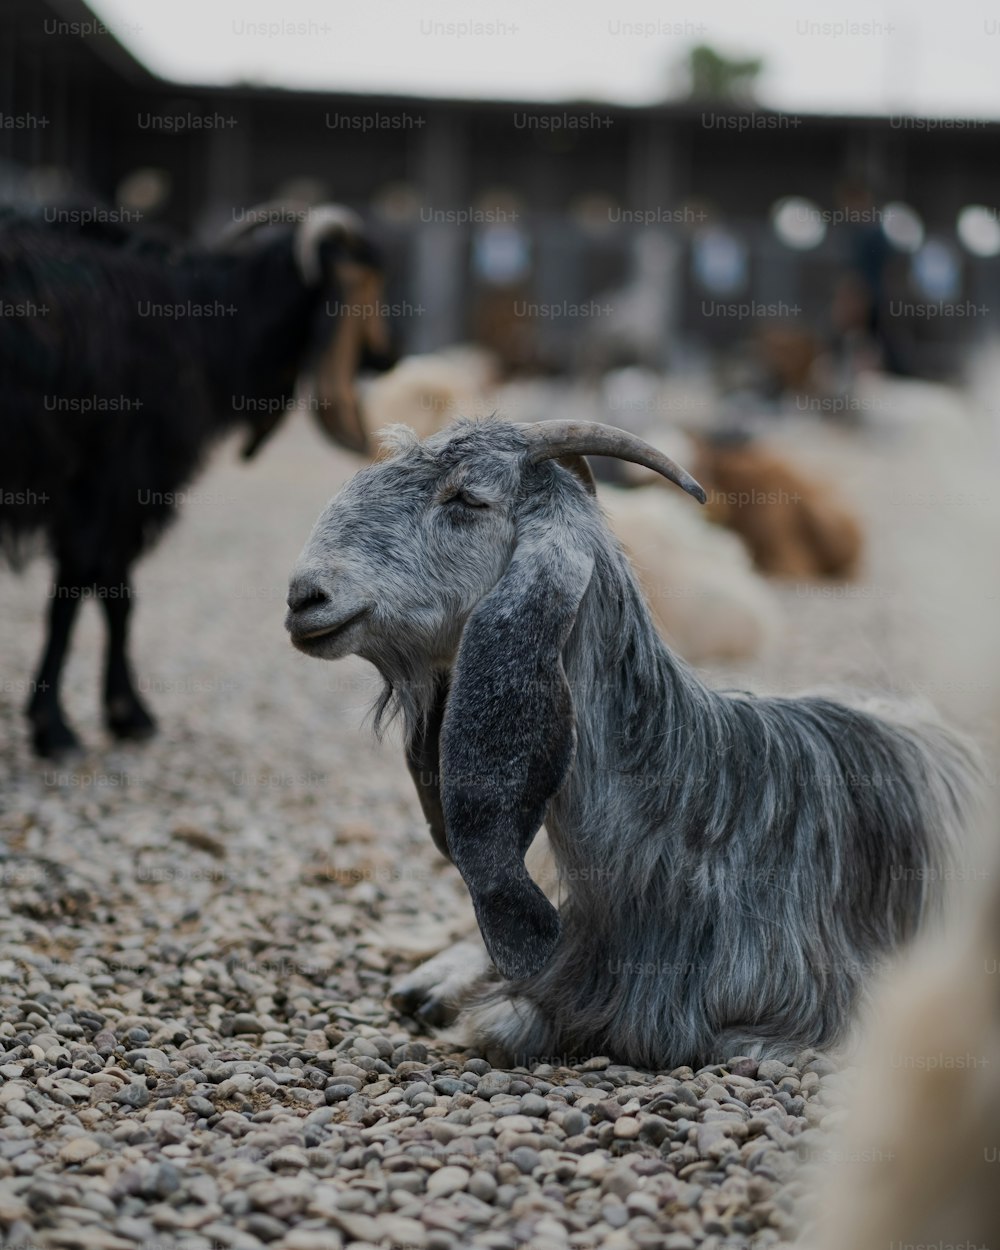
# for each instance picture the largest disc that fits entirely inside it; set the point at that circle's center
(124, 712)
(51, 735)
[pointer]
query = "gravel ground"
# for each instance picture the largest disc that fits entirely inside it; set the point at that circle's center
(198, 935)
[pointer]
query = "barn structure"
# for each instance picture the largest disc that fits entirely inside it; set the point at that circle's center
(697, 221)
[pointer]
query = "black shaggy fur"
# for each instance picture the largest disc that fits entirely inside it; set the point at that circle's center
(122, 359)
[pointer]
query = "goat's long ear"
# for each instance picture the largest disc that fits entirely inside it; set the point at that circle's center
(508, 738)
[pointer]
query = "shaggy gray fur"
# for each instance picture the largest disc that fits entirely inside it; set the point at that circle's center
(731, 867)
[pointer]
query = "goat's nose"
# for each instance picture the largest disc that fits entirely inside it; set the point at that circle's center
(305, 592)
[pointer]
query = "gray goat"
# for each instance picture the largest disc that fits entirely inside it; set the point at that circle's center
(730, 867)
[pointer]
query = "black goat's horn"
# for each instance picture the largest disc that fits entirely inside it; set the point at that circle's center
(313, 224)
(267, 213)
(551, 440)
(324, 221)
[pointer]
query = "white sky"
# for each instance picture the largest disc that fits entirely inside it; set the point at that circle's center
(939, 57)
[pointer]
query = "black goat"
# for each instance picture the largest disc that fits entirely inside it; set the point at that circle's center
(122, 359)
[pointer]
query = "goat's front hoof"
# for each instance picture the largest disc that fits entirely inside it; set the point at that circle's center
(53, 740)
(435, 992)
(423, 1003)
(129, 721)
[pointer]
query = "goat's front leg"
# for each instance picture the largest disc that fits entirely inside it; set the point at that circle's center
(50, 733)
(439, 989)
(124, 712)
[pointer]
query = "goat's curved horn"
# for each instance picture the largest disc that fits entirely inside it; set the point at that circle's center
(549, 440)
(313, 225)
(268, 213)
(323, 222)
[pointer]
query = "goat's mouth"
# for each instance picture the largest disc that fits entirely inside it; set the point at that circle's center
(325, 639)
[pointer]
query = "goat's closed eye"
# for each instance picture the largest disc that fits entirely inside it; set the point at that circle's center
(463, 499)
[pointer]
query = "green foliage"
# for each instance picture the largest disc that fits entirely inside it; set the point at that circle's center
(714, 76)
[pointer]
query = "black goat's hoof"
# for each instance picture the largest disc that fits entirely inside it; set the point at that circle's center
(130, 722)
(54, 740)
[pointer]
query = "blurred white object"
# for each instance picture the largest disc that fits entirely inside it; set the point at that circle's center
(706, 599)
(428, 392)
(917, 1162)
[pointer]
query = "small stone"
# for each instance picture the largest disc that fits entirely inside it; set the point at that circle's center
(513, 1124)
(449, 1086)
(78, 1149)
(482, 1186)
(653, 1129)
(773, 1070)
(399, 1230)
(533, 1105)
(288, 1157)
(11, 1211)
(492, 1083)
(621, 1182)
(266, 1227)
(411, 1052)
(525, 1159)
(337, 1093)
(164, 1180)
(640, 1203)
(741, 1065)
(241, 1083)
(593, 1166)
(133, 1096)
(200, 839)
(627, 1127)
(244, 1022)
(310, 1239)
(447, 1180)
(411, 1182)
(573, 1122)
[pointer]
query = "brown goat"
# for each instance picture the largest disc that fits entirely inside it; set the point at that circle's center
(793, 525)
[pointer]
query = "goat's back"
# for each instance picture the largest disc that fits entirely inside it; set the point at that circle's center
(103, 411)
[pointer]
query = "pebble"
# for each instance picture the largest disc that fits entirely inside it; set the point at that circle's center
(573, 1122)
(493, 1083)
(246, 1023)
(338, 1092)
(773, 1070)
(482, 1186)
(533, 1105)
(133, 1095)
(447, 1180)
(78, 1149)
(525, 1159)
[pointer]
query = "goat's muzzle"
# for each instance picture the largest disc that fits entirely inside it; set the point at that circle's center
(319, 625)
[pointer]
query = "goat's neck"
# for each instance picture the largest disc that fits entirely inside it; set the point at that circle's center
(263, 312)
(637, 707)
